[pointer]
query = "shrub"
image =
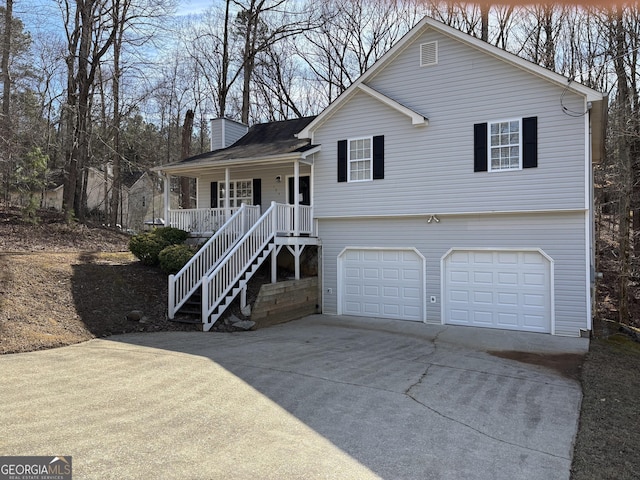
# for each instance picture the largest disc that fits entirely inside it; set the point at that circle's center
(174, 257)
(147, 246)
(173, 236)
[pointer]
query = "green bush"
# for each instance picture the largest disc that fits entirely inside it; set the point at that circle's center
(174, 257)
(173, 236)
(147, 246)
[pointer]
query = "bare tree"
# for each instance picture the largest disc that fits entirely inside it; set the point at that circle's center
(90, 32)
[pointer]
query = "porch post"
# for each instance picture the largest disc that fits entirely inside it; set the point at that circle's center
(166, 190)
(313, 232)
(296, 197)
(227, 200)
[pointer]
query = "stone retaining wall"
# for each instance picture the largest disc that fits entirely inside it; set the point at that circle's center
(284, 301)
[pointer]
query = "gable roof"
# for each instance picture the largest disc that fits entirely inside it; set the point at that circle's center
(130, 178)
(430, 23)
(263, 143)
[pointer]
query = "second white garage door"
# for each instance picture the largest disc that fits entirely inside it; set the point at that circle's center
(385, 283)
(499, 289)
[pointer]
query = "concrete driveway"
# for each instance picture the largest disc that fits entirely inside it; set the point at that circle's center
(322, 397)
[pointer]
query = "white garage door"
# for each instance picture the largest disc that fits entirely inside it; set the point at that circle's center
(385, 283)
(498, 289)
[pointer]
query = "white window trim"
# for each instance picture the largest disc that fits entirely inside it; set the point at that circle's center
(489, 147)
(221, 186)
(349, 140)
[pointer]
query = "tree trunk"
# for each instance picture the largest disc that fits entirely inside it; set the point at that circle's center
(624, 163)
(185, 182)
(484, 16)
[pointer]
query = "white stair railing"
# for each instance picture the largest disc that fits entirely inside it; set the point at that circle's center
(184, 283)
(232, 270)
(199, 220)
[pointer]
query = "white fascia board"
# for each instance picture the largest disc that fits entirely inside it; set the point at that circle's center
(416, 118)
(309, 152)
(195, 170)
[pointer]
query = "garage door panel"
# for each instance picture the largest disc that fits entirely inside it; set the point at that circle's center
(353, 289)
(459, 316)
(458, 296)
(507, 278)
(482, 257)
(459, 277)
(534, 279)
(480, 297)
(531, 300)
(483, 277)
(411, 293)
(390, 273)
(391, 292)
(383, 283)
(370, 273)
(483, 317)
(371, 291)
(507, 320)
(507, 258)
(499, 289)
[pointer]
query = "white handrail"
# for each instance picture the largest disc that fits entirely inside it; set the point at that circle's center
(200, 220)
(184, 283)
(221, 280)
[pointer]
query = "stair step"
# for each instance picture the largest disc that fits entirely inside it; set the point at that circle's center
(186, 319)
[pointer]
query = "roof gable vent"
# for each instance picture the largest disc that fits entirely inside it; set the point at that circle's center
(428, 54)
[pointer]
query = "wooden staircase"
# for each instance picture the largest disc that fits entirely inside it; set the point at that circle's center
(217, 276)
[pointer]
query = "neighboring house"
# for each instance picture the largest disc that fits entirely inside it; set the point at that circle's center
(141, 199)
(450, 184)
(98, 185)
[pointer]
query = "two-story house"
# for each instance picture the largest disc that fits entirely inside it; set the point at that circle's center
(450, 184)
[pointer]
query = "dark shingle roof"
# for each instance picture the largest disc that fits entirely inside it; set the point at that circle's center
(129, 178)
(262, 140)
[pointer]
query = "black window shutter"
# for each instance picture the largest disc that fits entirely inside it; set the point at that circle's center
(378, 157)
(214, 194)
(530, 142)
(342, 161)
(480, 147)
(257, 191)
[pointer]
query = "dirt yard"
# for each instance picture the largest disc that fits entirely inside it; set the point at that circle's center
(63, 284)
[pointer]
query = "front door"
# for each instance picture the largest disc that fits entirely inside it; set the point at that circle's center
(304, 191)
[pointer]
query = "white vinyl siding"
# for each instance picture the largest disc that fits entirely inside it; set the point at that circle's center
(430, 169)
(561, 236)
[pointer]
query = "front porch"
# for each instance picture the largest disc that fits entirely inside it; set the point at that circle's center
(253, 198)
(292, 220)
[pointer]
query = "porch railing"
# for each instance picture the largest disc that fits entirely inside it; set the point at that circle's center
(199, 220)
(183, 284)
(285, 219)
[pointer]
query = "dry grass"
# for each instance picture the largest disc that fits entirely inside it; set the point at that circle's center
(609, 434)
